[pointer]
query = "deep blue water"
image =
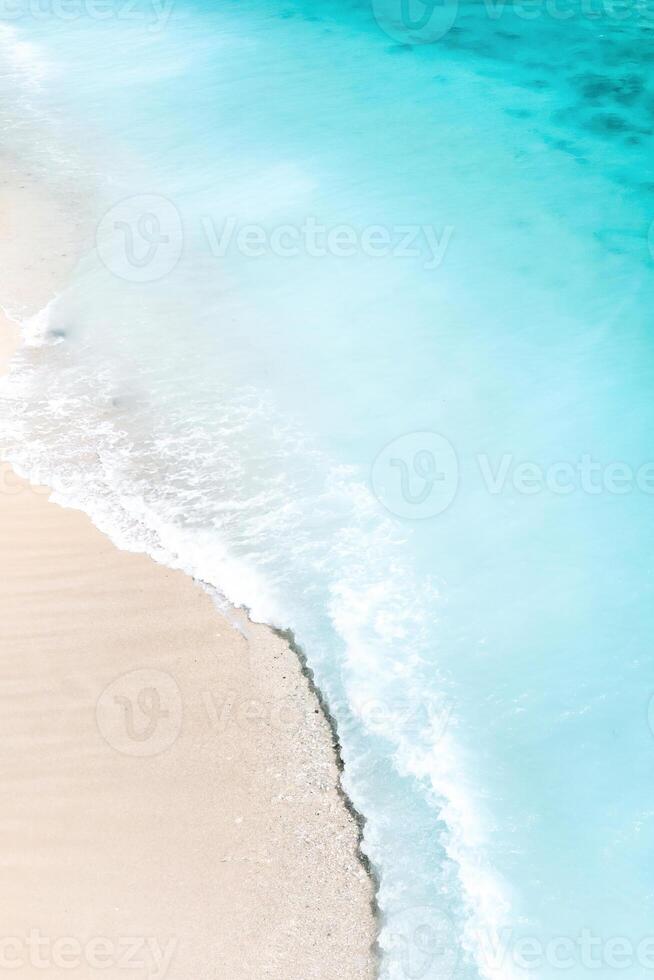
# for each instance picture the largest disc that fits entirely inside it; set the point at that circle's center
(366, 344)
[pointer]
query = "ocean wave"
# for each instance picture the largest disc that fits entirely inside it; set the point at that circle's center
(284, 532)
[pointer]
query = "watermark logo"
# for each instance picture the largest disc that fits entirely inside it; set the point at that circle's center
(152, 14)
(420, 944)
(415, 21)
(141, 238)
(130, 953)
(225, 712)
(416, 476)
(427, 21)
(423, 944)
(314, 239)
(584, 952)
(140, 713)
(387, 717)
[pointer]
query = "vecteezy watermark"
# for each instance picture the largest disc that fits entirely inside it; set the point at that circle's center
(129, 953)
(153, 14)
(315, 239)
(386, 717)
(565, 477)
(140, 239)
(415, 21)
(584, 951)
(140, 713)
(427, 21)
(420, 944)
(229, 711)
(416, 476)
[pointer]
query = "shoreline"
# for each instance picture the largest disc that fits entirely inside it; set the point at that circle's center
(226, 717)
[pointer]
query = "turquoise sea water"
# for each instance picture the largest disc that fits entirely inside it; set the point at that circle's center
(365, 343)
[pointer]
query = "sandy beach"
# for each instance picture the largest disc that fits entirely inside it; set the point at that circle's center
(171, 804)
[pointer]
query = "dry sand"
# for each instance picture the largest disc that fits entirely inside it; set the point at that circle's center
(170, 803)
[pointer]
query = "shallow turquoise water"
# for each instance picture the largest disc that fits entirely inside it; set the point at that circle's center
(435, 466)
